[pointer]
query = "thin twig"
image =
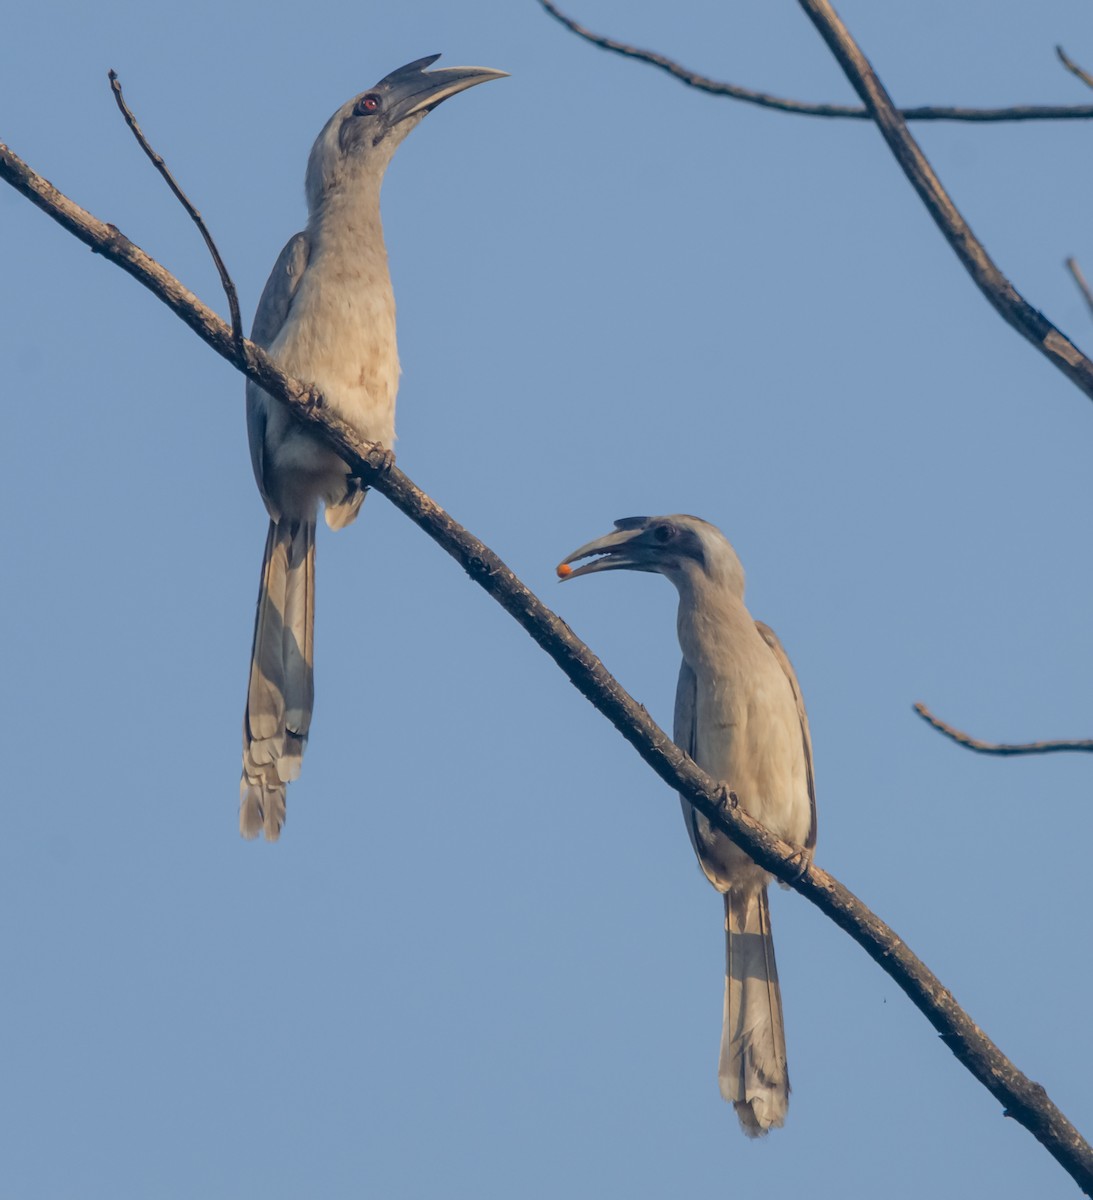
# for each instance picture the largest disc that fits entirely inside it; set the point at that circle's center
(1079, 279)
(1025, 112)
(1001, 294)
(1073, 67)
(161, 167)
(1004, 748)
(1023, 1100)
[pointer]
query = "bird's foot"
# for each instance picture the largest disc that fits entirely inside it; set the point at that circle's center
(381, 460)
(728, 797)
(800, 863)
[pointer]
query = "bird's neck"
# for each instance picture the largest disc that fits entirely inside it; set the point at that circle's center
(711, 614)
(347, 223)
(716, 583)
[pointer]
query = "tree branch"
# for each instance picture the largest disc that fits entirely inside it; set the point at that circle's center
(1025, 112)
(1002, 295)
(1024, 1100)
(1007, 301)
(1079, 279)
(1001, 748)
(1073, 67)
(180, 195)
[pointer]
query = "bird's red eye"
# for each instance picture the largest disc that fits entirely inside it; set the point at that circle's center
(369, 105)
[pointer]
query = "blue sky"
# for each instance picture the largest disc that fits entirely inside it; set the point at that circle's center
(481, 962)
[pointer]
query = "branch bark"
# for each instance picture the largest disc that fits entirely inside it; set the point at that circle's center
(930, 112)
(999, 748)
(1024, 1100)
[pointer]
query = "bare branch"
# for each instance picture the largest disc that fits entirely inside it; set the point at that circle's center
(1079, 279)
(1002, 748)
(1008, 302)
(1023, 112)
(1002, 295)
(161, 167)
(1073, 67)
(1023, 1100)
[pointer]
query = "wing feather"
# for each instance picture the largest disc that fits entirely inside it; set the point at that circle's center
(771, 638)
(685, 736)
(270, 316)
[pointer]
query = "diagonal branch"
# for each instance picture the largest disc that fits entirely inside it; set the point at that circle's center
(1024, 1100)
(1001, 748)
(180, 195)
(1073, 67)
(1022, 112)
(1002, 295)
(1079, 279)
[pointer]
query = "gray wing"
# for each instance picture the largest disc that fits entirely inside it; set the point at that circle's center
(771, 638)
(683, 727)
(684, 734)
(280, 287)
(270, 316)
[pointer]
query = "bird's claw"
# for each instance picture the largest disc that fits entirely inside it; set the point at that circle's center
(382, 460)
(728, 797)
(800, 863)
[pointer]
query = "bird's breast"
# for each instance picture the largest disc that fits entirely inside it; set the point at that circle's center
(341, 337)
(748, 734)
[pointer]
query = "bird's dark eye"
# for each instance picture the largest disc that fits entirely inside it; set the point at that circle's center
(368, 106)
(664, 533)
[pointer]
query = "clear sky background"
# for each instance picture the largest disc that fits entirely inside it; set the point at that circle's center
(481, 962)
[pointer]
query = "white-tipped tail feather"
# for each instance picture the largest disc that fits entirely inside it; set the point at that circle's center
(280, 693)
(752, 1071)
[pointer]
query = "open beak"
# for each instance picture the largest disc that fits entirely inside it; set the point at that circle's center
(618, 551)
(412, 89)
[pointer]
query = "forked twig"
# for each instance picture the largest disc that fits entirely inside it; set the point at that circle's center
(1073, 67)
(161, 167)
(930, 112)
(1001, 748)
(1079, 279)
(1014, 309)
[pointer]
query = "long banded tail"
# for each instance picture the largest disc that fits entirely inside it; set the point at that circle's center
(752, 1071)
(280, 692)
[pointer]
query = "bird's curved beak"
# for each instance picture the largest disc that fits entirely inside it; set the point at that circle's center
(618, 551)
(413, 90)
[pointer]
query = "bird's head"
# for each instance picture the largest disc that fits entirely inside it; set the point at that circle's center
(360, 138)
(680, 547)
